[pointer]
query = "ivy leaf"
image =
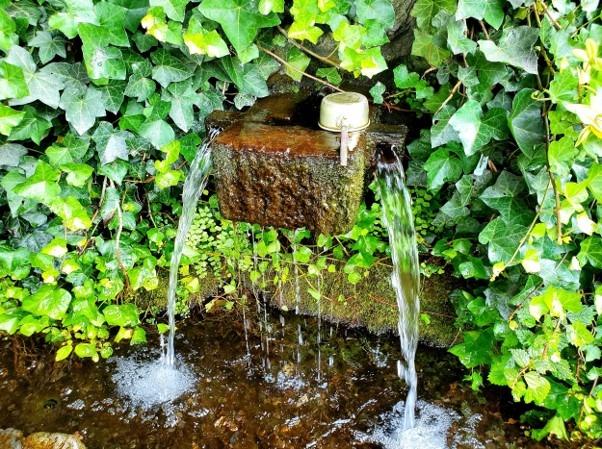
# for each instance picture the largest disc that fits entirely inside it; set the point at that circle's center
(104, 62)
(525, 122)
(71, 75)
(538, 388)
(490, 10)
(591, 251)
(203, 42)
(555, 301)
(8, 37)
(457, 40)
(9, 118)
(32, 126)
(377, 92)
(77, 173)
(494, 125)
(110, 145)
(75, 216)
(124, 315)
(404, 79)
(501, 238)
(564, 87)
(140, 87)
(515, 48)
(183, 98)
(425, 45)
(82, 107)
(12, 81)
(174, 9)
(157, 132)
(42, 185)
(425, 10)
(375, 10)
(240, 20)
(267, 6)
(170, 67)
(112, 95)
(42, 85)
(48, 301)
(505, 197)
(75, 12)
(247, 77)
(442, 167)
(297, 63)
(442, 132)
(304, 31)
(330, 74)
(466, 121)
(48, 46)
(11, 154)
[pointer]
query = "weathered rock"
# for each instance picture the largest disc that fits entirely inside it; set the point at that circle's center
(287, 176)
(13, 439)
(10, 439)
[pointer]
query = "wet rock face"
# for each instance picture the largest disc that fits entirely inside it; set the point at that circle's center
(287, 176)
(13, 439)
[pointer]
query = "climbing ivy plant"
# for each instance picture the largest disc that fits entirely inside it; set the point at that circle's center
(102, 106)
(514, 92)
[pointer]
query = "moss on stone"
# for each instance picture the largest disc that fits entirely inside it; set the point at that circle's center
(157, 299)
(372, 303)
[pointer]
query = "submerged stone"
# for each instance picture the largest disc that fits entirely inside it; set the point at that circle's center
(13, 439)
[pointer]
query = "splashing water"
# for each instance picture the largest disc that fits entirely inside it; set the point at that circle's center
(193, 187)
(398, 219)
(430, 431)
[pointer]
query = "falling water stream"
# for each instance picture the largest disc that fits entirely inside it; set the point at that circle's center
(150, 383)
(398, 219)
(193, 187)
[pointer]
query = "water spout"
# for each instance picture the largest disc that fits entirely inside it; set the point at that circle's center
(398, 219)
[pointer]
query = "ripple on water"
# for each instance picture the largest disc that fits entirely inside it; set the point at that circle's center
(430, 432)
(150, 383)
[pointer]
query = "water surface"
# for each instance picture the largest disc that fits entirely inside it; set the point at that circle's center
(269, 397)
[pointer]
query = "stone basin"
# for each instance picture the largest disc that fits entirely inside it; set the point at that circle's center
(275, 167)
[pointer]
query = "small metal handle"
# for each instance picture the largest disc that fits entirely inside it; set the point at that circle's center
(344, 141)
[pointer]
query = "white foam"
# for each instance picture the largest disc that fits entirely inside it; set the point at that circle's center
(430, 431)
(150, 383)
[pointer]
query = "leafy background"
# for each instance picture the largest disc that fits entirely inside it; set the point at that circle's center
(103, 106)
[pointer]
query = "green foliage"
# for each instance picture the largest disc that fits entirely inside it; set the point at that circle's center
(514, 90)
(103, 104)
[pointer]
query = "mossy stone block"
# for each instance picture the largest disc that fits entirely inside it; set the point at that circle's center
(288, 176)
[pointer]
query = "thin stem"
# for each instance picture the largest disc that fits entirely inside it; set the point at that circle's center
(552, 19)
(484, 28)
(301, 47)
(450, 96)
(290, 66)
(527, 234)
